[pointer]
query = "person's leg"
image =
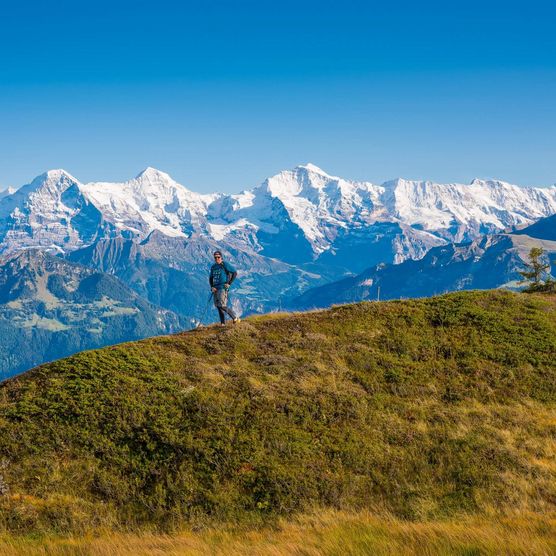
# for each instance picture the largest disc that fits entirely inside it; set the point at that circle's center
(224, 304)
(218, 304)
(221, 314)
(230, 312)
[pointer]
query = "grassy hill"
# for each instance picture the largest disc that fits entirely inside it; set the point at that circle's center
(419, 409)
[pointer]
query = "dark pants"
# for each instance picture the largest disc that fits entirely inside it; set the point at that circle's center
(221, 303)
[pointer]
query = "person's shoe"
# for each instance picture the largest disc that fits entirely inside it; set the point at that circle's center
(236, 320)
(222, 324)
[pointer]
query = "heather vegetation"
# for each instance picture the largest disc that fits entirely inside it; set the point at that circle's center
(430, 409)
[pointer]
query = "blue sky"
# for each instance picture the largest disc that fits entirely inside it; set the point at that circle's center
(223, 94)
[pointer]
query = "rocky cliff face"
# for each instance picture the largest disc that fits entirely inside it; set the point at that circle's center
(50, 213)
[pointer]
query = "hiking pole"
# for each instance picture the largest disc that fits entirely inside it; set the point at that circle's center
(200, 322)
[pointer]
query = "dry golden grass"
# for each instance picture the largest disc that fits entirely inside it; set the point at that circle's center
(329, 533)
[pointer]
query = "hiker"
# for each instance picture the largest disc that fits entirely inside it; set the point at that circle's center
(222, 275)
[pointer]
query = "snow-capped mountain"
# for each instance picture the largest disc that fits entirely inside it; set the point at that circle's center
(150, 201)
(299, 216)
(322, 210)
(51, 212)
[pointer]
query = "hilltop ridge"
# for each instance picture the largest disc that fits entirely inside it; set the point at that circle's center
(420, 408)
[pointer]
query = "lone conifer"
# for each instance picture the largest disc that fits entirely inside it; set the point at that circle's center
(535, 270)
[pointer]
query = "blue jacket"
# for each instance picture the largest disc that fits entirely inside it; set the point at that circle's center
(221, 274)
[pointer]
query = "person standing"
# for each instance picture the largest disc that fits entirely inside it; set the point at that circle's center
(222, 274)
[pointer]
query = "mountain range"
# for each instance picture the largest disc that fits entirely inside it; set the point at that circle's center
(298, 216)
(301, 238)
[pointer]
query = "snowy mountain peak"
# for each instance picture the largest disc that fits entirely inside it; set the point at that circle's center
(153, 174)
(57, 175)
(478, 182)
(400, 184)
(50, 184)
(303, 181)
(49, 213)
(312, 168)
(150, 201)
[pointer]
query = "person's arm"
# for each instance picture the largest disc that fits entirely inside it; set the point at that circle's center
(231, 273)
(211, 278)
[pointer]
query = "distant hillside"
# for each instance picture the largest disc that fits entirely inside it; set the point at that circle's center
(489, 262)
(545, 228)
(172, 272)
(298, 230)
(422, 409)
(50, 308)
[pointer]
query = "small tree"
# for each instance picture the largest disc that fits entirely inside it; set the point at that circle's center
(535, 270)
